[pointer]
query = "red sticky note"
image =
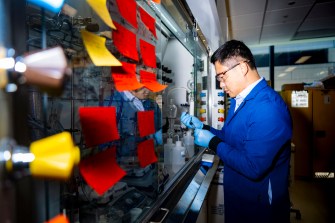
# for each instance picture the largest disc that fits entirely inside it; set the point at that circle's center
(145, 123)
(98, 125)
(125, 77)
(148, 54)
(150, 81)
(101, 171)
(146, 153)
(127, 10)
(125, 41)
(148, 21)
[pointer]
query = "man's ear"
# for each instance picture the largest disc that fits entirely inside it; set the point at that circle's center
(244, 68)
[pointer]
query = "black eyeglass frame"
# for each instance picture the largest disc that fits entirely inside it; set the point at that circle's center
(223, 77)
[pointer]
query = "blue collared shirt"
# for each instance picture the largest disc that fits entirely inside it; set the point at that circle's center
(137, 102)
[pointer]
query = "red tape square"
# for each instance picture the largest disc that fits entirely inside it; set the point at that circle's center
(148, 54)
(145, 123)
(128, 11)
(146, 153)
(98, 125)
(149, 21)
(101, 171)
(125, 42)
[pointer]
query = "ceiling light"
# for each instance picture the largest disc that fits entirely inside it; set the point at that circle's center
(290, 69)
(282, 75)
(302, 59)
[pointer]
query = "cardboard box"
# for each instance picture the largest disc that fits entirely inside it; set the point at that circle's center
(313, 131)
(302, 136)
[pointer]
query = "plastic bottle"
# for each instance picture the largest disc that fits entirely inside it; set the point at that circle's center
(168, 152)
(178, 156)
(188, 141)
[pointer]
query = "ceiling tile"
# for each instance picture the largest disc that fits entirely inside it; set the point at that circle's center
(272, 39)
(240, 7)
(323, 10)
(246, 21)
(280, 21)
(285, 16)
(319, 23)
(250, 36)
(282, 29)
(275, 4)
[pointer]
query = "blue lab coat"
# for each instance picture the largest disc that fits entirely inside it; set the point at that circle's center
(256, 155)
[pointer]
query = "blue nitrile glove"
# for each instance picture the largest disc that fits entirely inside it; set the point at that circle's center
(202, 137)
(158, 136)
(190, 121)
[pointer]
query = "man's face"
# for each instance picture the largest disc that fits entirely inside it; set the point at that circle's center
(142, 93)
(230, 77)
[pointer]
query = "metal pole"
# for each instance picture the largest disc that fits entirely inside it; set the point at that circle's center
(272, 66)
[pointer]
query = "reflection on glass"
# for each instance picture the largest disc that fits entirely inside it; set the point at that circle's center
(172, 115)
(90, 85)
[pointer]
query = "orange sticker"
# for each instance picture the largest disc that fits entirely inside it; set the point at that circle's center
(59, 219)
(125, 77)
(149, 80)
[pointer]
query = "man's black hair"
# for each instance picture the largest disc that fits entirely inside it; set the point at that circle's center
(233, 49)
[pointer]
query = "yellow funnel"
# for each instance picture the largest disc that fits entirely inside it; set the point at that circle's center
(55, 156)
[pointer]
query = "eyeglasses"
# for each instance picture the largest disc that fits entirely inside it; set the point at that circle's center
(223, 76)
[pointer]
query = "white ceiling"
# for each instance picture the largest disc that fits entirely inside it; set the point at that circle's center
(258, 22)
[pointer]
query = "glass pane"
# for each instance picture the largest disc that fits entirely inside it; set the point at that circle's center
(119, 179)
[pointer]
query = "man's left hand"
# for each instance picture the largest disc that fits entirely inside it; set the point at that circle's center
(202, 137)
(158, 137)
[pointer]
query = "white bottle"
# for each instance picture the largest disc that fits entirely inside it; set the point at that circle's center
(188, 141)
(168, 152)
(178, 157)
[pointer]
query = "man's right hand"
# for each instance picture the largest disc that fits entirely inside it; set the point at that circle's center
(191, 121)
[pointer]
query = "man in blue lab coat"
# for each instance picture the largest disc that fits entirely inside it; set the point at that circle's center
(127, 104)
(254, 143)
